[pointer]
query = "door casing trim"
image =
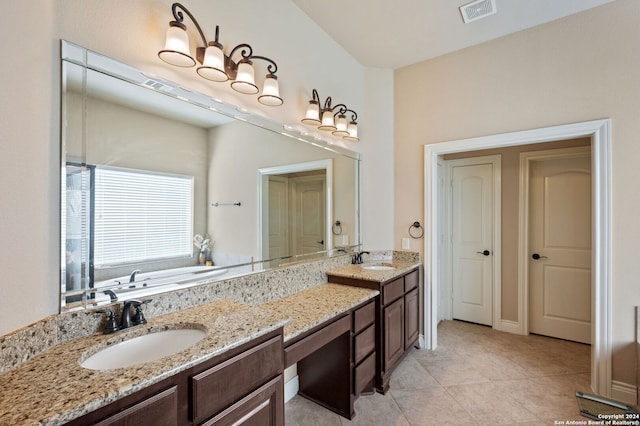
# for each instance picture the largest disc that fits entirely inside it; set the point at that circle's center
(599, 131)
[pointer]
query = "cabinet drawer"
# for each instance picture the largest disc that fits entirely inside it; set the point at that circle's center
(392, 291)
(262, 407)
(219, 386)
(363, 317)
(160, 409)
(411, 281)
(364, 343)
(364, 373)
(302, 348)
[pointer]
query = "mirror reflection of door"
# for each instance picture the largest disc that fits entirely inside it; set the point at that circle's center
(278, 216)
(296, 213)
(308, 195)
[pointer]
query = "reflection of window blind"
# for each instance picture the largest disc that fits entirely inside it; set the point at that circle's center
(141, 216)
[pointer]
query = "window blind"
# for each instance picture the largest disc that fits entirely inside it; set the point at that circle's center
(141, 216)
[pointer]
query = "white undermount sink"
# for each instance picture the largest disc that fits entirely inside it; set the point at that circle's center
(377, 267)
(144, 348)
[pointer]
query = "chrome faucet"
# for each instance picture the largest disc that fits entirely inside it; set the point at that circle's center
(132, 278)
(357, 258)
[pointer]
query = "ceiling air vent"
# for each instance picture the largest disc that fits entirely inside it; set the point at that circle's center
(477, 9)
(157, 85)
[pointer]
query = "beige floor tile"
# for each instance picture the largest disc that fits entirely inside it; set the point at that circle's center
(454, 371)
(490, 404)
(432, 406)
(411, 375)
(476, 376)
(549, 398)
(302, 412)
(496, 367)
(377, 409)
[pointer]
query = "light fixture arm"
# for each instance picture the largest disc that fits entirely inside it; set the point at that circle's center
(272, 67)
(315, 96)
(180, 17)
(354, 115)
(341, 110)
(327, 104)
(247, 53)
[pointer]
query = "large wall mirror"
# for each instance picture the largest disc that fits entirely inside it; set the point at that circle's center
(163, 187)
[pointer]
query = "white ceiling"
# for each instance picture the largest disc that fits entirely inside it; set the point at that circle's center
(393, 34)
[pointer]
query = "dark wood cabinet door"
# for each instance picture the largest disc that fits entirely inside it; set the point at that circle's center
(393, 319)
(411, 318)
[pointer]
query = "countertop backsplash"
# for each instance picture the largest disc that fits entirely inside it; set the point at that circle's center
(256, 289)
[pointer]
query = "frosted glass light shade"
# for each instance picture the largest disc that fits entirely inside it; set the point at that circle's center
(312, 116)
(270, 92)
(213, 64)
(176, 48)
(341, 126)
(327, 121)
(245, 79)
(352, 128)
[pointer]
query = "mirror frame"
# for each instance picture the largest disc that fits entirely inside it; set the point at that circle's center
(89, 60)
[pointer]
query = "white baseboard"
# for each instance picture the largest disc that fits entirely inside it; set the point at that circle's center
(291, 388)
(421, 342)
(509, 327)
(624, 392)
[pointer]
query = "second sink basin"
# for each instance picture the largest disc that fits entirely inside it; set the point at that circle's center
(377, 267)
(144, 348)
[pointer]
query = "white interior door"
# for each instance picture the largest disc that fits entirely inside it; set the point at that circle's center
(309, 213)
(560, 247)
(472, 217)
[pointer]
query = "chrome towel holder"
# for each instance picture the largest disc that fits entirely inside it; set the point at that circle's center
(225, 204)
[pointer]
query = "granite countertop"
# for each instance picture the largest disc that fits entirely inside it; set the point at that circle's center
(52, 388)
(316, 305)
(67, 391)
(401, 267)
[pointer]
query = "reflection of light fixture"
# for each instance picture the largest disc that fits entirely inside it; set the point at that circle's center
(326, 119)
(214, 64)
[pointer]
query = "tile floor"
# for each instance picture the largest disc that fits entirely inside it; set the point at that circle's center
(476, 376)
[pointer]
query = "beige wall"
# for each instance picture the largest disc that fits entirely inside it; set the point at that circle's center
(510, 173)
(579, 68)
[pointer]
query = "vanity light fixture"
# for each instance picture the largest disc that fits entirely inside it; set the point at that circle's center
(215, 65)
(331, 118)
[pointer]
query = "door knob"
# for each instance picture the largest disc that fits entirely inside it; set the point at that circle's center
(320, 242)
(484, 252)
(536, 256)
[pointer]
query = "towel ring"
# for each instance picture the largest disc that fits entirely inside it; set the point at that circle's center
(416, 234)
(336, 228)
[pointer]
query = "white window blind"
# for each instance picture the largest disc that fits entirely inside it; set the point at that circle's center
(141, 216)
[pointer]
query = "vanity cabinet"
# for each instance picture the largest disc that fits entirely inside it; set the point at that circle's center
(336, 359)
(397, 318)
(364, 347)
(243, 386)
